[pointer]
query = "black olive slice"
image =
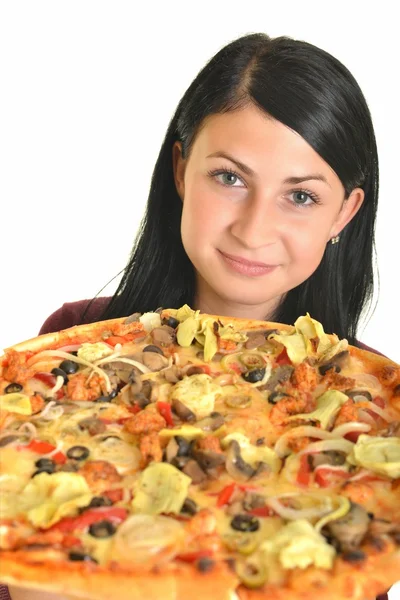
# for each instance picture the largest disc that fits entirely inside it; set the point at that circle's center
(43, 463)
(244, 522)
(102, 529)
(189, 507)
(73, 555)
(254, 375)
(49, 469)
(171, 322)
(205, 564)
(60, 373)
(98, 501)
(69, 366)
(13, 388)
(78, 452)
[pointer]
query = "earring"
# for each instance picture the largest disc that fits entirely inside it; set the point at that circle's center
(335, 240)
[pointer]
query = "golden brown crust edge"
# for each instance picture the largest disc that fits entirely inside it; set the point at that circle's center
(349, 581)
(80, 581)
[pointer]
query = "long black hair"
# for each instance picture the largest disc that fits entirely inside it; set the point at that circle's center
(311, 92)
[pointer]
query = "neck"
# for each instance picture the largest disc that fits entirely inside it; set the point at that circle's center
(210, 303)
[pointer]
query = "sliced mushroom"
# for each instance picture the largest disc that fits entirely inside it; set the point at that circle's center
(193, 470)
(255, 339)
(279, 375)
(253, 500)
(211, 423)
(183, 412)
(329, 457)
(154, 361)
(236, 466)
(350, 530)
(92, 425)
(355, 393)
(172, 375)
(152, 348)
(164, 335)
(208, 459)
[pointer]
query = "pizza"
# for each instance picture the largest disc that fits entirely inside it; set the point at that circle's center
(176, 454)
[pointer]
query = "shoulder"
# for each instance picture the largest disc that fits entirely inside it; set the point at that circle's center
(75, 313)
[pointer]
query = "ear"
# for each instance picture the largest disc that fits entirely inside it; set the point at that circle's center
(179, 165)
(350, 208)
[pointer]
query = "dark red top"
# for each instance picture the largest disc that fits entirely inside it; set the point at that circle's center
(71, 314)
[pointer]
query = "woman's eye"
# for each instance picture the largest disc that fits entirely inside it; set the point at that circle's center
(301, 198)
(228, 179)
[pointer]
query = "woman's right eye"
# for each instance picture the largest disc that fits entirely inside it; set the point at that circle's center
(227, 178)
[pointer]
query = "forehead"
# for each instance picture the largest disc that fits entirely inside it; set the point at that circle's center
(260, 142)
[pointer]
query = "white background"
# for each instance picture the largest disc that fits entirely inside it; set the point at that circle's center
(87, 91)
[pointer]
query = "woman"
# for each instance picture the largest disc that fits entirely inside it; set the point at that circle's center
(263, 198)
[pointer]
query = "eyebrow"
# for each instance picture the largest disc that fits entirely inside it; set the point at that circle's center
(250, 172)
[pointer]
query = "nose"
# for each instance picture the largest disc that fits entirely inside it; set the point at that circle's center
(257, 223)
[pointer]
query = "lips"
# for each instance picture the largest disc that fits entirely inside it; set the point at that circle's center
(246, 267)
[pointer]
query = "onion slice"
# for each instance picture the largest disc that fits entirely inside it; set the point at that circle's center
(292, 514)
(341, 445)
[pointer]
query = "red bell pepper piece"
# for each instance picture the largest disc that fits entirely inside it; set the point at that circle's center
(164, 408)
(68, 524)
(262, 511)
(44, 448)
(50, 380)
(325, 476)
(303, 476)
(191, 557)
(225, 494)
(283, 358)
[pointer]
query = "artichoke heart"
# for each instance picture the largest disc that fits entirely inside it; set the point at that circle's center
(253, 455)
(312, 329)
(161, 488)
(93, 352)
(298, 544)
(47, 498)
(16, 403)
(186, 331)
(378, 454)
(198, 393)
(328, 405)
(297, 346)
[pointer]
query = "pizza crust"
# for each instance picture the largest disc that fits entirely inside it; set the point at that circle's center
(76, 580)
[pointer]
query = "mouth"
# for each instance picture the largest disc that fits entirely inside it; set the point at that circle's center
(246, 267)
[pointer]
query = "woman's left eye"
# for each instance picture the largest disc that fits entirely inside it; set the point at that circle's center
(304, 198)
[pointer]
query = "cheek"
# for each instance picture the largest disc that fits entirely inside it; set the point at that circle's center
(203, 217)
(307, 245)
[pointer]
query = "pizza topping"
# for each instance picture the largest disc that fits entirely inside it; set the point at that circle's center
(160, 488)
(47, 498)
(349, 530)
(183, 412)
(78, 452)
(147, 540)
(245, 522)
(252, 454)
(13, 388)
(80, 556)
(379, 454)
(102, 529)
(198, 393)
(298, 544)
(16, 402)
(328, 405)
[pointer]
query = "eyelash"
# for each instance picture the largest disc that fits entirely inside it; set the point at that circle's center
(316, 200)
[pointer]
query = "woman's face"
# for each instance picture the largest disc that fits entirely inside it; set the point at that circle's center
(259, 207)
